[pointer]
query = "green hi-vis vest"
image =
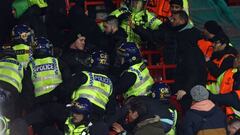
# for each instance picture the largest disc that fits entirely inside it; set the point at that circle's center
(143, 82)
(173, 129)
(4, 128)
(73, 130)
(21, 6)
(23, 54)
(97, 89)
(11, 71)
(46, 75)
(151, 22)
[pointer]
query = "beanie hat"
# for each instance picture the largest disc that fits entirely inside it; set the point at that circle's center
(177, 2)
(199, 93)
(213, 27)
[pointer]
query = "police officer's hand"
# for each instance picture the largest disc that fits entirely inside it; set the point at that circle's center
(117, 127)
(180, 94)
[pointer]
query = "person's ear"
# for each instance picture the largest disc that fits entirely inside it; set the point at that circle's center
(135, 115)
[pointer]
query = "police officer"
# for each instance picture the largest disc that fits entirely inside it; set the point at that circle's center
(50, 82)
(11, 76)
(4, 122)
(139, 16)
(23, 41)
(135, 79)
(94, 84)
(79, 122)
(166, 111)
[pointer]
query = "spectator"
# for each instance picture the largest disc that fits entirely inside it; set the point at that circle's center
(204, 117)
(116, 36)
(163, 35)
(191, 69)
(142, 119)
(77, 55)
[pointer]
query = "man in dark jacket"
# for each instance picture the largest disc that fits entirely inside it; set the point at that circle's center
(49, 80)
(204, 117)
(142, 120)
(115, 34)
(191, 68)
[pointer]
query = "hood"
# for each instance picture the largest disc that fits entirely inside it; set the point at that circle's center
(205, 105)
(20, 7)
(152, 120)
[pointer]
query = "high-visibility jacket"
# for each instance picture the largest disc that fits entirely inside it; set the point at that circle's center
(46, 75)
(143, 82)
(174, 117)
(97, 89)
(225, 83)
(21, 6)
(144, 18)
(71, 129)
(11, 71)
(206, 47)
(218, 62)
(23, 53)
(4, 128)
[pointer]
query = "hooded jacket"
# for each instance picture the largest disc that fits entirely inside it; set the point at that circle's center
(204, 117)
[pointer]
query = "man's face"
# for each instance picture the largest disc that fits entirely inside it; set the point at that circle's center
(137, 5)
(207, 34)
(218, 46)
(176, 20)
(77, 118)
(107, 28)
(79, 43)
(175, 8)
(132, 116)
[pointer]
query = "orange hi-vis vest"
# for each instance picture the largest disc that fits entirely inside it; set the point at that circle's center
(227, 81)
(206, 47)
(218, 62)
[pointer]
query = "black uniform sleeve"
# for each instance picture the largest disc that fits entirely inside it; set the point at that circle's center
(63, 90)
(27, 94)
(236, 85)
(126, 80)
(226, 64)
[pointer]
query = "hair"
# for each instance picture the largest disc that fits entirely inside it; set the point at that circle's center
(112, 20)
(182, 15)
(137, 106)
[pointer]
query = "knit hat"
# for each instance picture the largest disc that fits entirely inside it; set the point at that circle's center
(213, 27)
(177, 2)
(199, 93)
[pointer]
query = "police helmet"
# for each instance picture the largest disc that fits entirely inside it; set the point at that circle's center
(43, 46)
(161, 91)
(81, 106)
(129, 53)
(100, 60)
(22, 34)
